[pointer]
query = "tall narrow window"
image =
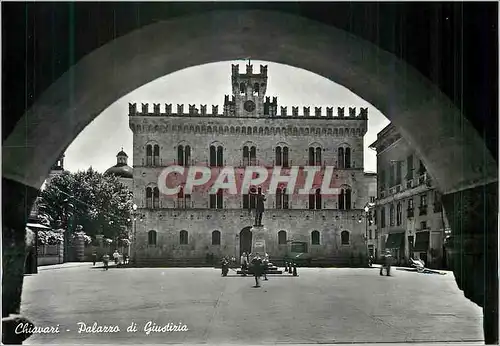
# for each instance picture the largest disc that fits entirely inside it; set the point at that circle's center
(391, 215)
(156, 198)
(246, 156)
(278, 156)
(213, 156)
(183, 237)
(253, 156)
(156, 155)
(242, 89)
(187, 155)
(219, 199)
(344, 238)
(342, 200)
(409, 167)
(399, 170)
(340, 158)
(399, 214)
(318, 199)
(215, 238)
(180, 155)
(311, 156)
(246, 201)
(347, 157)
(279, 199)
(149, 198)
(382, 217)
(282, 238)
(285, 157)
(348, 202)
(220, 156)
(149, 155)
(213, 201)
(312, 201)
(318, 156)
(152, 238)
(285, 199)
(315, 238)
(253, 201)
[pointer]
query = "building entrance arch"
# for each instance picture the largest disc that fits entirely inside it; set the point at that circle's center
(245, 240)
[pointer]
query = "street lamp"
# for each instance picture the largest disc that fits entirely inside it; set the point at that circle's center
(366, 216)
(134, 210)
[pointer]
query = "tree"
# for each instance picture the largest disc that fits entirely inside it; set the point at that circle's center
(98, 203)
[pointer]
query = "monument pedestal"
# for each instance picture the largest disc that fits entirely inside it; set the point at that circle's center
(258, 240)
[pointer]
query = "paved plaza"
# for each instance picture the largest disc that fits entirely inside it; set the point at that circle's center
(328, 305)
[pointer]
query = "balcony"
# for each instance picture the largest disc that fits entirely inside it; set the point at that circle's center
(409, 183)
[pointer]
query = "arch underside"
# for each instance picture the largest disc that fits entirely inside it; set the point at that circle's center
(455, 155)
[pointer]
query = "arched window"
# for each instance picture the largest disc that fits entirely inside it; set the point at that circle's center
(152, 238)
(278, 156)
(215, 238)
(242, 88)
(149, 155)
(253, 156)
(183, 200)
(220, 156)
(216, 200)
(246, 156)
(256, 88)
(183, 237)
(180, 155)
(318, 199)
(344, 238)
(282, 238)
(340, 158)
(187, 155)
(156, 155)
(347, 158)
(314, 156)
(315, 238)
(285, 196)
(149, 197)
(279, 199)
(213, 156)
(156, 198)
(315, 200)
(345, 199)
(285, 157)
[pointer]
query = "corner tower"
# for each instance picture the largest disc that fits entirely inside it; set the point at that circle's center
(249, 90)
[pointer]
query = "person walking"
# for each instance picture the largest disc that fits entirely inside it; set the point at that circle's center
(265, 266)
(116, 256)
(105, 261)
(94, 257)
(244, 264)
(386, 264)
(257, 268)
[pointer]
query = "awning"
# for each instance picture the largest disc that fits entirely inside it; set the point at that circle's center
(36, 225)
(394, 241)
(422, 242)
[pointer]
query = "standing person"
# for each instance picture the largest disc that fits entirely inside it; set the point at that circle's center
(265, 266)
(105, 261)
(244, 263)
(94, 257)
(116, 256)
(257, 268)
(386, 264)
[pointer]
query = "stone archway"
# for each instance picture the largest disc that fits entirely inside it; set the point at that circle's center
(245, 240)
(455, 155)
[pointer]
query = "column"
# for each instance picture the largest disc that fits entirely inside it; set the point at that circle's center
(472, 215)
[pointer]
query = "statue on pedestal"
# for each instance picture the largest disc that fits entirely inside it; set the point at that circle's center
(259, 206)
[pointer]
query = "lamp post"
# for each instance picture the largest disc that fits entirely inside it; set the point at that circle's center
(67, 233)
(134, 211)
(365, 236)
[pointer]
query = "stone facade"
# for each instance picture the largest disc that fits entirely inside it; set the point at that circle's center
(408, 204)
(159, 137)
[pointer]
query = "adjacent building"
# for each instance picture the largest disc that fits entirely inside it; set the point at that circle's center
(409, 214)
(250, 130)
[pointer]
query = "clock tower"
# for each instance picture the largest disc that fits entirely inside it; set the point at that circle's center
(249, 90)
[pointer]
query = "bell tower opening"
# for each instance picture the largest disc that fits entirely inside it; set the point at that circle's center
(249, 90)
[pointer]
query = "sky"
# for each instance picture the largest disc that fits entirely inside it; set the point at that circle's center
(98, 144)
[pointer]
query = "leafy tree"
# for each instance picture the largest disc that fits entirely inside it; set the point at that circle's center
(98, 203)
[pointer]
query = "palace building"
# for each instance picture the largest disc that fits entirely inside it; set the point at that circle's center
(249, 130)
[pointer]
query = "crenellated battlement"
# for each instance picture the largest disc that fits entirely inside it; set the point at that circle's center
(270, 110)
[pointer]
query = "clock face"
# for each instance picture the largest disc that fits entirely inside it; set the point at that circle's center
(249, 106)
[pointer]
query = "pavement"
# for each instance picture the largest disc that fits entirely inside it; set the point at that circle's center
(321, 305)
